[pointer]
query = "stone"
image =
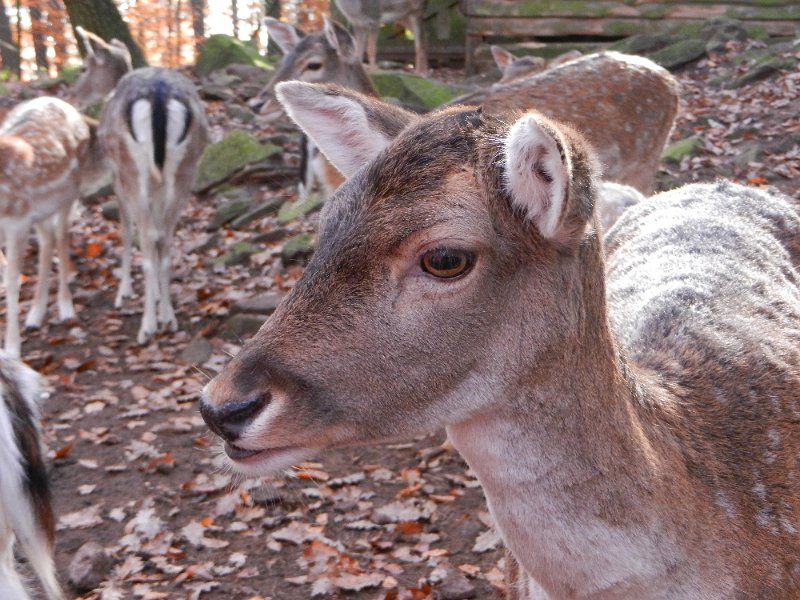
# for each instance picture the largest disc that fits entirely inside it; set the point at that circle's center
(677, 151)
(214, 91)
(197, 351)
(219, 51)
(236, 150)
(302, 206)
(270, 237)
(762, 70)
(451, 583)
(110, 210)
(297, 249)
(242, 115)
(413, 91)
(263, 304)
(680, 53)
(748, 153)
(89, 567)
(262, 210)
(250, 74)
(242, 325)
(227, 212)
(239, 254)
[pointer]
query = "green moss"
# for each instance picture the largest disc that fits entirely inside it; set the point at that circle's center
(230, 154)
(621, 28)
(291, 210)
(220, 50)
(413, 90)
(679, 150)
(679, 53)
(297, 249)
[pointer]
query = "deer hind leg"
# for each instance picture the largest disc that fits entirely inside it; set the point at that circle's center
(44, 233)
(66, 309)
(372, 47)
(15, 246)
(149, 239)
(125, 289)
(360, 34)
(166, 313)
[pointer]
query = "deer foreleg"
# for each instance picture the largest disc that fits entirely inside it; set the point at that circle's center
(125, 289)
(15, 245)
(66, 309)
(148, 234)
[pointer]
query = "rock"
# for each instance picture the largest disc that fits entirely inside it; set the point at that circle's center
(680, 53)
(719, 30)
(243, 115)
(677, 151)
(250, 74)
(242, 325)
(263, 304)
(197, 351)
(236, 150)
(220, 50)
(644, 43)
(239, 254)
(267, 495)
(764, 69)
(214, 91)
(414, 91)
(262, 210)
(748, 152)
(227, 212)
(298, 249)
(451, 584)
(110, 210)
(268, 237)
(302, 206)
(89, 567)
(211, 241)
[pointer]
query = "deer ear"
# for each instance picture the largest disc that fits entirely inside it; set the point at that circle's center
(349, 128)
(340, 40)
(287, 36)
(537, 171)
(502, 57)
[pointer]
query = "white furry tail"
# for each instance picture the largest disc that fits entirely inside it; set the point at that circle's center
(26, 513)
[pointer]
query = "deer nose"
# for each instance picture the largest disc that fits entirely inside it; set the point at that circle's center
(232, 418)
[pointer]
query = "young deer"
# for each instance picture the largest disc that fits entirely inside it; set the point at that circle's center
(367, 16)
(326, 56)
(635, 433)
(516, 67)
(26, 513)
(153, 130)
(48, 153)
(624, 105)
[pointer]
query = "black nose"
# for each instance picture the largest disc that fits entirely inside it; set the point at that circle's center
(229, 420)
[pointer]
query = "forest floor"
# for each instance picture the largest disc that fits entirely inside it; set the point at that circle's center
(135, 470)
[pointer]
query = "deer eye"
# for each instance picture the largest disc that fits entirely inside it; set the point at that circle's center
(447, 263)
(314, 66)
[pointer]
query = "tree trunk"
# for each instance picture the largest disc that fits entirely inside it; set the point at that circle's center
(102, 18)
(272, 8)
(38, 31)
(235, 17)
(57, 18)
(198, 23)
(9, 51)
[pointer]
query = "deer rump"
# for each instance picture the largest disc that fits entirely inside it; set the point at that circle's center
(158, 117)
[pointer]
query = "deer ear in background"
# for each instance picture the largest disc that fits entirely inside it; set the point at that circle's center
(285, 35)
(341, 40)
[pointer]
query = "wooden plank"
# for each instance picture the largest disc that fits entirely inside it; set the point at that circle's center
(557, 27)
(648, 10)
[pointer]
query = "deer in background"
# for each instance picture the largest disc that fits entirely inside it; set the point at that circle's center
(460, 281)
(516, 67)
(153, 130)
(26, 512)
(367, 16)
(325, 56)
(624, 105)
(104, 65)
(48, 154)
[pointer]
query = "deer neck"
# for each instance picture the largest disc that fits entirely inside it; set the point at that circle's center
(565, 456)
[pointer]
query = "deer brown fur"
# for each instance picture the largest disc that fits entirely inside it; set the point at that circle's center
(635, 433)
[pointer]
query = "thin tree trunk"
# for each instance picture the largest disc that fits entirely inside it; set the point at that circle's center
(102, 18)
(235, 17)
(57, 21)
(272, 8)
(38, 29)
(9, 51)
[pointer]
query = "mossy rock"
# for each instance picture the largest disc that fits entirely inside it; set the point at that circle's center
(680, 53)
(298, 249)
(227, 212)
(302, 206)
(679, 150)
(764, 69)
(414, 91)
(220, 50)
(231, 153)
(644, 43)
(239, 254)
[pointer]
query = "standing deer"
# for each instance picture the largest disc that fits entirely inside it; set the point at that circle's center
(26, 512)
(48, 153)
(632, 416)
(326, 56)
(367, 16)
(516, 67)
(624, 105)
(153, 130)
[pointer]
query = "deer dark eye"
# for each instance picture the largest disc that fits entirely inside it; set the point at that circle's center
(447, 263)
(314, 66)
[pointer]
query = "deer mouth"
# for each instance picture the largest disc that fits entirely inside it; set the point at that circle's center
(264, 460)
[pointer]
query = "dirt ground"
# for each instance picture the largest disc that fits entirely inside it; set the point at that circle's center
(135, 470)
